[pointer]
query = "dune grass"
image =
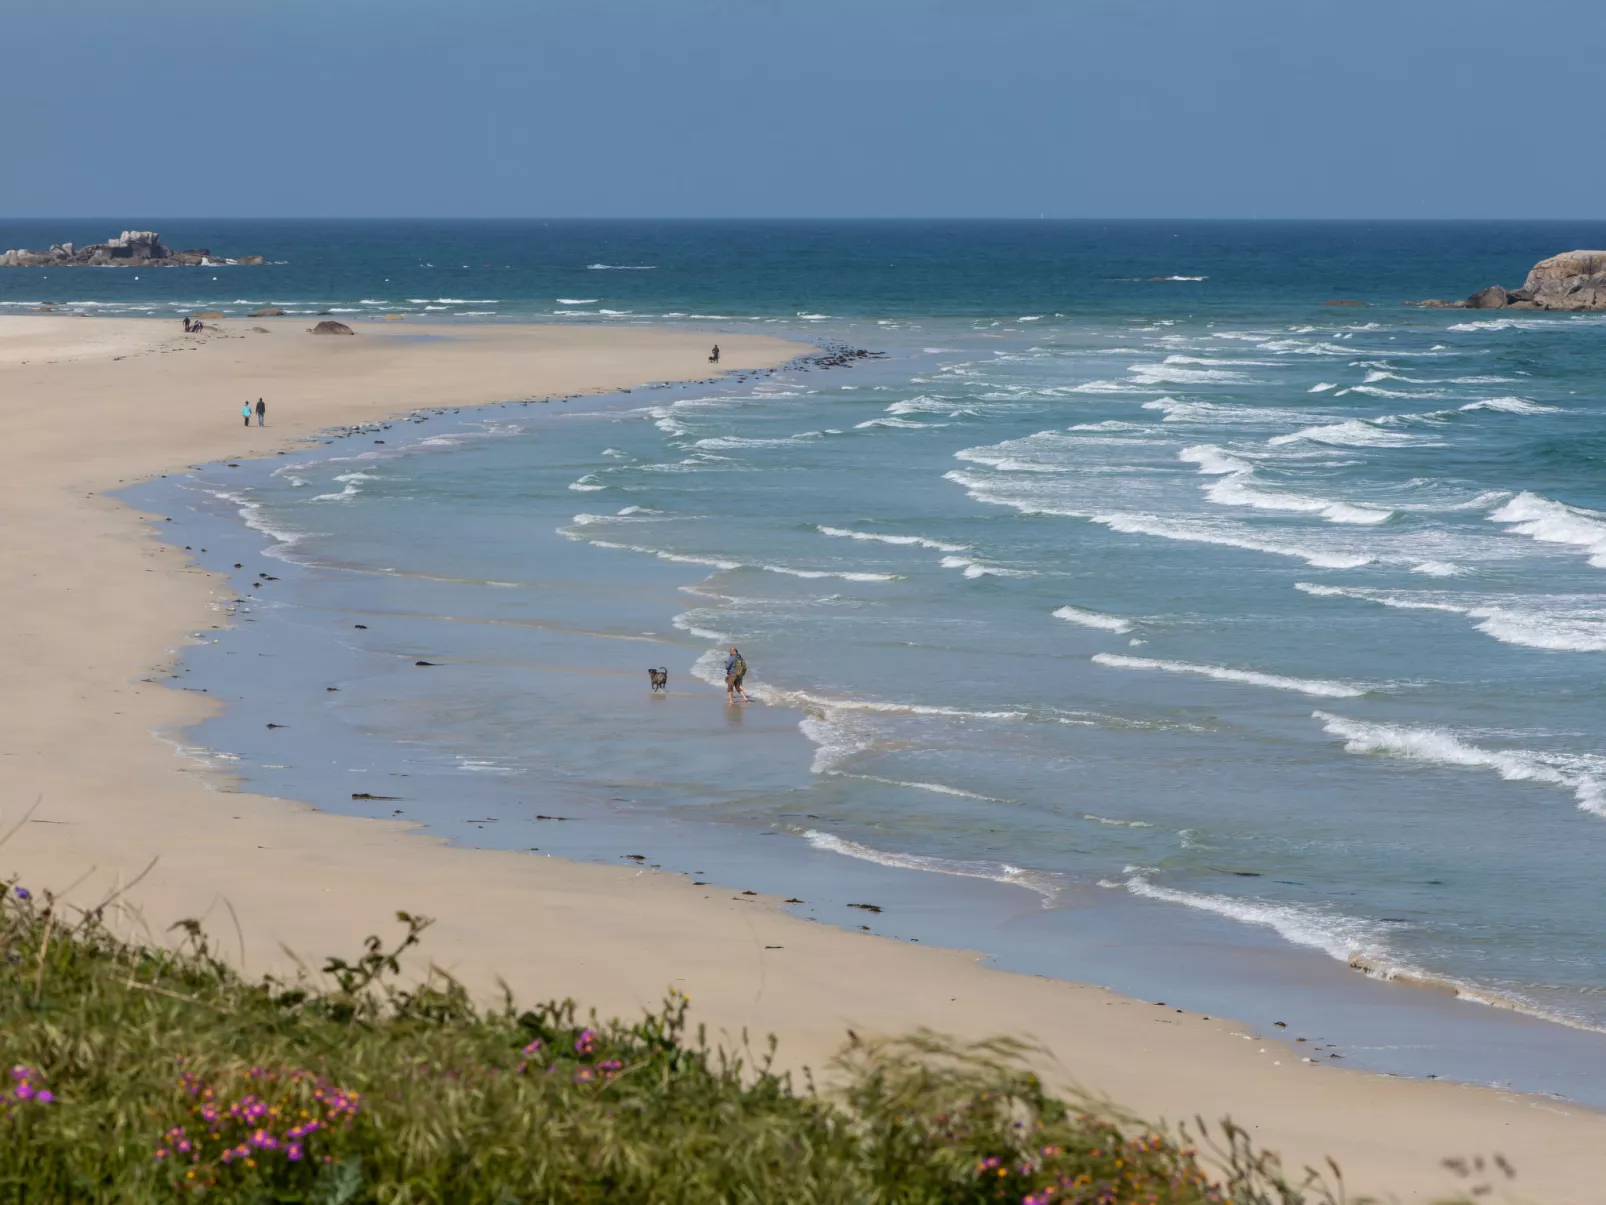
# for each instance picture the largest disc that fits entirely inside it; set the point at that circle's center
(134, 1073)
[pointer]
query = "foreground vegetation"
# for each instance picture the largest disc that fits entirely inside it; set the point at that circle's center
(140, 1074)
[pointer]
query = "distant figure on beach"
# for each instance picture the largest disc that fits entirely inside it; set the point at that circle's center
(186, 326)
(714, 358)
(245, 413)
(735, 671)
(262, 413)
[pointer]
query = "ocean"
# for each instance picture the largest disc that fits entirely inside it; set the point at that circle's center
(1134, 617)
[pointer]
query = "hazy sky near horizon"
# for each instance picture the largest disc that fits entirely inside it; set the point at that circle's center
(781, 108)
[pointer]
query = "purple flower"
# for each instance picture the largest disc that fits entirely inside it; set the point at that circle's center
(24, 894)
(45, 1097)
(293, 1152)
(532, 1047)
(586, 1042)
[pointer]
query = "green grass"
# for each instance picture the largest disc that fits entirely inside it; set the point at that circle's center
(134, 1074)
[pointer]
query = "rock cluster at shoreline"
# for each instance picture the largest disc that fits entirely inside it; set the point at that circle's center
(131, 249)
(1573, 280)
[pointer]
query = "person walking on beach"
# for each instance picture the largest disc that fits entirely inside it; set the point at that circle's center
(262, 413)
(714, 358)
(735, 671)
(245, 413)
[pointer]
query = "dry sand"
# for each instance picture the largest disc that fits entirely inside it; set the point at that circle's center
(95, 608)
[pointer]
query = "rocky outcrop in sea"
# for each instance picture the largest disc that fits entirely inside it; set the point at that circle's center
(1573, 280)
(131, 249)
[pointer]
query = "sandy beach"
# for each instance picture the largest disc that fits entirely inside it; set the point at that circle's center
(98, 608)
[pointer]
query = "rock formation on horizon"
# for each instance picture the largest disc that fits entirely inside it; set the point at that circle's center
(131, 249)
(1573, 280)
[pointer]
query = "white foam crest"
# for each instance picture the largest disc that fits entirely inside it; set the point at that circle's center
(806, 700)
(631, 514)
(350, 491)
(997, 872)
(1217, 413)
(922, 404)
(1379, 391)
(1342, 937)
(1488, 324)
(1214, 460)
(1309, 686)
(974, 568)
(1175, 529)
(1109, 424)
(578, 300)
(1322, 387)
(731, 442)
(678, 558)
(587, 484)
(1191, 530)
(904, 423)
(1582, 774)
(687, 623)
(1093, 619)
(841, 574)
(250, 513)
(1512, 405)
(625, 268)
(1557, 623)
(1116, 823)
(1552, 522)
(1351, 433)
(1300, 347)
(1237, 487)
(1102, 386)
(881, 538)
(1169, 373)
(936, 788)
(1209, 362)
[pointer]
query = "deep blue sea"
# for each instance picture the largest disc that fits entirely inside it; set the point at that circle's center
(1138, 618)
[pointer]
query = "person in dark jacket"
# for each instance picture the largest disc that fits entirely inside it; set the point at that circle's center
(735, 671)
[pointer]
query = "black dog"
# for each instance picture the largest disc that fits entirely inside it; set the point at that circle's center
(659, 678)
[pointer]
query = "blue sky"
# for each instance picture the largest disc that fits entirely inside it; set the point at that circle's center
(772, 108)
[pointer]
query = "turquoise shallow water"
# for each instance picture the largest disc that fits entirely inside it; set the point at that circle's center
(1243, 619)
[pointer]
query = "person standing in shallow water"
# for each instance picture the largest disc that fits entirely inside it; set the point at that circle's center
(735, 671)
(262, 413)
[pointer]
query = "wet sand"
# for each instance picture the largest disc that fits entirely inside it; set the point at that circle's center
(97, 609)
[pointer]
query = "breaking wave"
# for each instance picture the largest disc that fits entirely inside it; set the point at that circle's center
(1583, 775)
(1093, 619)
(998, 872)
(1308, 686)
